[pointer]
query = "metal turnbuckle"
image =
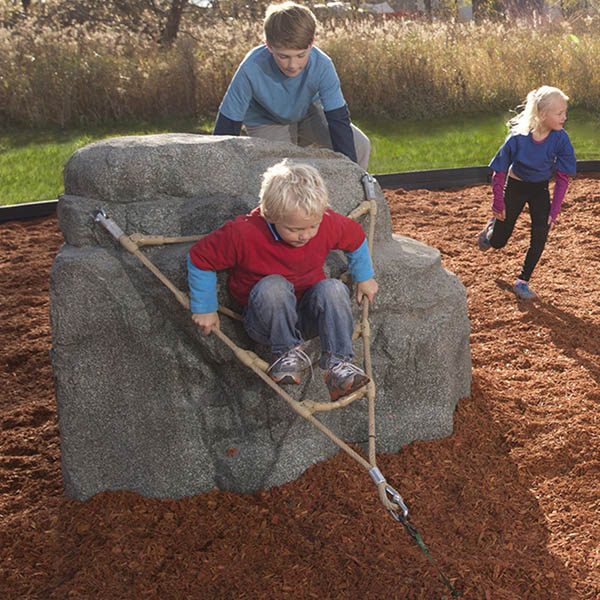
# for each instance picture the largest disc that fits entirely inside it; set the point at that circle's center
(368, 182)
(103, 219)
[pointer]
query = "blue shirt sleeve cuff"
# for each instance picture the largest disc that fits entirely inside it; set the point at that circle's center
(342, 138)
(226, 126)
(360, 264)
(203, 289)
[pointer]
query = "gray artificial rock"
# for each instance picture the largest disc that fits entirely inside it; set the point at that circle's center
(146, 403)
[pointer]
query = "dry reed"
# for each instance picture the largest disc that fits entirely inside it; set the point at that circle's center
(392, 68)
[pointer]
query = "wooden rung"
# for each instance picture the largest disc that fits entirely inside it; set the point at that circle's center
(341, 403)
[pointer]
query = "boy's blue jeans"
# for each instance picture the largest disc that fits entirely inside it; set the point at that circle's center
(275, 318)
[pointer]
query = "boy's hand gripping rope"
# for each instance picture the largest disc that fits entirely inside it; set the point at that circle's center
(389, 497)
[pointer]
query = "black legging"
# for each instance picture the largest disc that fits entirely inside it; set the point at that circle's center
(516, 195)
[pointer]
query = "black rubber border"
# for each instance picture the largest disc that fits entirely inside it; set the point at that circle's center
(437, 179)
(30, 210)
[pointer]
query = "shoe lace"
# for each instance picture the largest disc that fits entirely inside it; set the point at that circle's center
(346, 369)
(291, 358)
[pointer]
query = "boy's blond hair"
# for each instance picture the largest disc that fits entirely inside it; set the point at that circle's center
(290, 26)
(289, 188)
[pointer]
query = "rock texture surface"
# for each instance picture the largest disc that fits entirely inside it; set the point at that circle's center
(148, 404)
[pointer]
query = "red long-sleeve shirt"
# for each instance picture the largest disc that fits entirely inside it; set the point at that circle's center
(247, 247)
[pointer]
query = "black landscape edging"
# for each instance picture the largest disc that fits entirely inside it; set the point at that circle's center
(29, 210)
(436, 179)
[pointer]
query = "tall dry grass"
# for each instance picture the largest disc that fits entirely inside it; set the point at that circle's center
(75, 77)
(422, 70)
(392, 68)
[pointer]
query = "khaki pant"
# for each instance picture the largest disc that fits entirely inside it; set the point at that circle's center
(312, 130)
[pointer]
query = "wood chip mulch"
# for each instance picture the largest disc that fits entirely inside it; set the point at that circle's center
(509, 505)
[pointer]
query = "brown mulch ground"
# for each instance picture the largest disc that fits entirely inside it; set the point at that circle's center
(509, 504)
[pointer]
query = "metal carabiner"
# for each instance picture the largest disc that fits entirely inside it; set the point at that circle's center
(396, 498)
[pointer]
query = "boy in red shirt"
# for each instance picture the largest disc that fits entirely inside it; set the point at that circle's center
(275, 256)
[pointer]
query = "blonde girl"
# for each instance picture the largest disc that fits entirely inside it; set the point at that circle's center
(536, 148)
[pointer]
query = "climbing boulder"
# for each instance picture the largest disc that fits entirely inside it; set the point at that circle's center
(147, 403)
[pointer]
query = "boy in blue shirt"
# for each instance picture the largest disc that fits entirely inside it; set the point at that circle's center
(287, 90)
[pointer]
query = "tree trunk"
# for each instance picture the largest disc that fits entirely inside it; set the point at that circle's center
(428, 10)
(171, 28)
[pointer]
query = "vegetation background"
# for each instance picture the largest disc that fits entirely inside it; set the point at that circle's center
(93, 64)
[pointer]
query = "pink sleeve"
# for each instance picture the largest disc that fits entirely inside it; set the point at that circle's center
(498, 180)
(561, 184)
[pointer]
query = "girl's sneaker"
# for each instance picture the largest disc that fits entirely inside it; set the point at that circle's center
(484, 237)
(521, 289)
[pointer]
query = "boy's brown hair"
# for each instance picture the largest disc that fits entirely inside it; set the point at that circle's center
(290, 26)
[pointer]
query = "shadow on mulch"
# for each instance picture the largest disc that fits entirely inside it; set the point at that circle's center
(578, 338)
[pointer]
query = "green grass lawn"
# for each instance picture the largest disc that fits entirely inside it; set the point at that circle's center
(459, 142)
(31, 162)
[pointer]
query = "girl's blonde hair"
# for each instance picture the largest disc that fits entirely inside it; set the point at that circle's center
(537, 102)
(288, 188)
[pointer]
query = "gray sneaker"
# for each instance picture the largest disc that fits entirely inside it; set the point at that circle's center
(344, 378)
(288, 368)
